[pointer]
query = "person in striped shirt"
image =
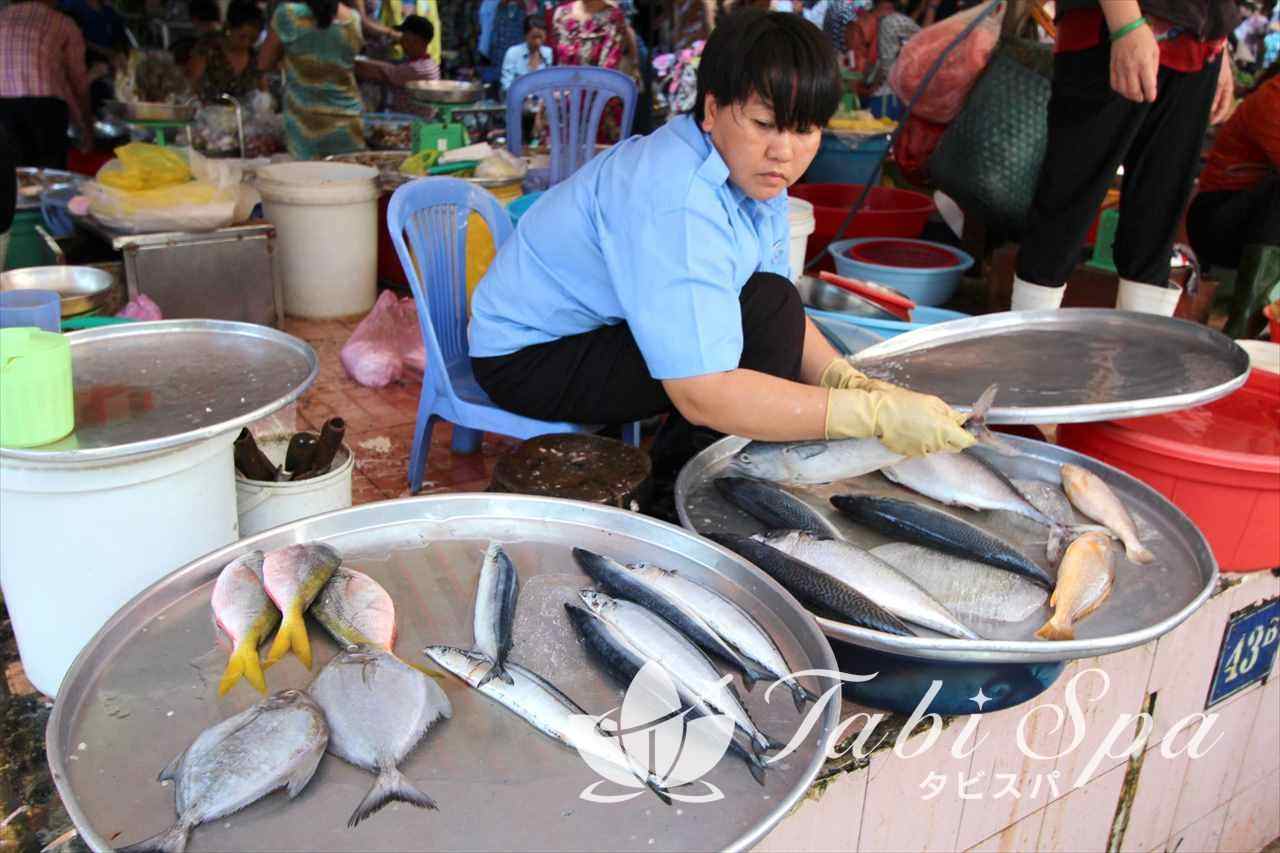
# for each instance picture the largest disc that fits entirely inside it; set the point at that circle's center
(43, 82)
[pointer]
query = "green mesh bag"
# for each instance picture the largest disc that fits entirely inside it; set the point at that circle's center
(990, 156)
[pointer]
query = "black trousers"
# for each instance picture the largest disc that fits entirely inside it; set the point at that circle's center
(1092, 131)
(600, 377)
(37, 127)
(1220, 224)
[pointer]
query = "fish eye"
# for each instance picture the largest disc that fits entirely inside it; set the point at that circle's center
(744, 458)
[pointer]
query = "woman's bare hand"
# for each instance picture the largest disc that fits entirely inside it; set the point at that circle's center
(1135, 63)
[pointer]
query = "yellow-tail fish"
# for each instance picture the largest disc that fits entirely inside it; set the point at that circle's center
(1095, 499)
(293, 577)
(1085, 578)
(244, 617)
(356, 610)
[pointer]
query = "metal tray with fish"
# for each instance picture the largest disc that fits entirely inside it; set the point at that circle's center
(1146, 602)
(147, 684)
(1074, 365)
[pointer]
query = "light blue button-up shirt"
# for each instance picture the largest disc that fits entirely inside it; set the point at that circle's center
(651, 233)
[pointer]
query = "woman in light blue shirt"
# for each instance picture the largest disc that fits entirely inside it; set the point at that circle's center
(528, 56)
(656, 278)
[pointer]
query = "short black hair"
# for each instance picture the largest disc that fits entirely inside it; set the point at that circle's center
(242, 13)
(535, 22)
(204, 10)
(779, 56)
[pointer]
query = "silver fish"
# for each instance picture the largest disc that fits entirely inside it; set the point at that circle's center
(495, 611)
(539, 703)
(969, 589)
(378, 708)
(695, 677)
(712, 621)
(356, 610)
(960, 479)
(277, 743)
(815, 462)
(1047, 498)
(872, 577)
(812, 462)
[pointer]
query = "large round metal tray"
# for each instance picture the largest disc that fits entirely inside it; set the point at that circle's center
(1074, 365)
(445, 91)
(146, 685)
(146, 387)
(1147, 601)
(152, 111)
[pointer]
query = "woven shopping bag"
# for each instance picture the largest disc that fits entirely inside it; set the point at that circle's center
(989, 159)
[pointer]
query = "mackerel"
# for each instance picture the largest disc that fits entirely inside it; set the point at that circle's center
(495, 611)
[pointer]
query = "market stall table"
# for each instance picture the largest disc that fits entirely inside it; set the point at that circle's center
(147, 684)
(144, 483)
(226, 274)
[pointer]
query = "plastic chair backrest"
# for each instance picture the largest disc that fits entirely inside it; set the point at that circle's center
(432, 134)
(575, 98)
(433, 213)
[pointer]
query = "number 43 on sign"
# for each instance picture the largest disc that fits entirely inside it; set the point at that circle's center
(1248, 650)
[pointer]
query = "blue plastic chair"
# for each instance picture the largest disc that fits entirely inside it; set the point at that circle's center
(431, 214)
(575, 97)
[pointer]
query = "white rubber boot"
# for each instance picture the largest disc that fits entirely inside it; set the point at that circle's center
(1035, 297)
(1148, 298)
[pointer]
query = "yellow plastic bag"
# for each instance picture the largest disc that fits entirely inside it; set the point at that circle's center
(142, 166)
(480, 251)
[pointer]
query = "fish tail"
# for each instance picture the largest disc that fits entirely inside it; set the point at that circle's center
(1053, 550)
(1056, 630)
(390, 786)
(172, 840)
(1138, 553)
(291, 636)
(243, 662)
(496, 671)
(801, 695)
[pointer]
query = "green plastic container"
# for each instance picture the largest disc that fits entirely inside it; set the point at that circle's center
(26, 247)
(37, 402)
(1104, 246)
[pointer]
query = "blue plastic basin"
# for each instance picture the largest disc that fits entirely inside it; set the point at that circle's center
(847, 159)
(924, 285)
(922, 316)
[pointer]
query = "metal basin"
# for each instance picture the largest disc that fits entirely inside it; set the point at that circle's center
(445, 91)
(82, 288)
(816, 293)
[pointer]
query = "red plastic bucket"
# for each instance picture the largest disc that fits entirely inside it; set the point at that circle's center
(1219, 463)
(887, 213)
(905, 254)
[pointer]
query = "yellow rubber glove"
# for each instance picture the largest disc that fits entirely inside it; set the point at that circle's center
(906, 422)
(842, 374)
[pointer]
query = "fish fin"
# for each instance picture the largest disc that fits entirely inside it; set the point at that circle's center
(301, 776)
(977, 424)
(172, 840)
(801, 695)
(292, 636)
(1053, 549)
(170, 770)
(496, 671)
(749, 677)
(1052, 630)
(390, 786)
(1138, 553)
(244, 662)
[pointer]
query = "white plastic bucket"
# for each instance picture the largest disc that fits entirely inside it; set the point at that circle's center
(326, 219)
(79, 540)
(262, 506)
(802, 222)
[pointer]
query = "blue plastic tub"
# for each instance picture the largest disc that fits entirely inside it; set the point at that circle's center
(518, 207)
(922, 316)
(847, 159)
(925, 285)
(846, 336)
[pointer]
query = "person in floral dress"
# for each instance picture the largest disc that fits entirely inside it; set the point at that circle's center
(596, 32)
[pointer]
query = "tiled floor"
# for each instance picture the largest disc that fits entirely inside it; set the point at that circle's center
(380, 424)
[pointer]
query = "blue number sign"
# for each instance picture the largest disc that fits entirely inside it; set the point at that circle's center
(1248, 650)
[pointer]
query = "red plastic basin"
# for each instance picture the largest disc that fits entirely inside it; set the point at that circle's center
(887, 212)
(905, 254)
(1219, 463)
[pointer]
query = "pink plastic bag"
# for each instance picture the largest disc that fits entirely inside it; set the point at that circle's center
(949, 88)
(385, 343)
(141, 308)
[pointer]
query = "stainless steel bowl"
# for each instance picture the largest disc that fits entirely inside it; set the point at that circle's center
(445, 91)
(152, 111)
(817, 293)
(82, 288)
